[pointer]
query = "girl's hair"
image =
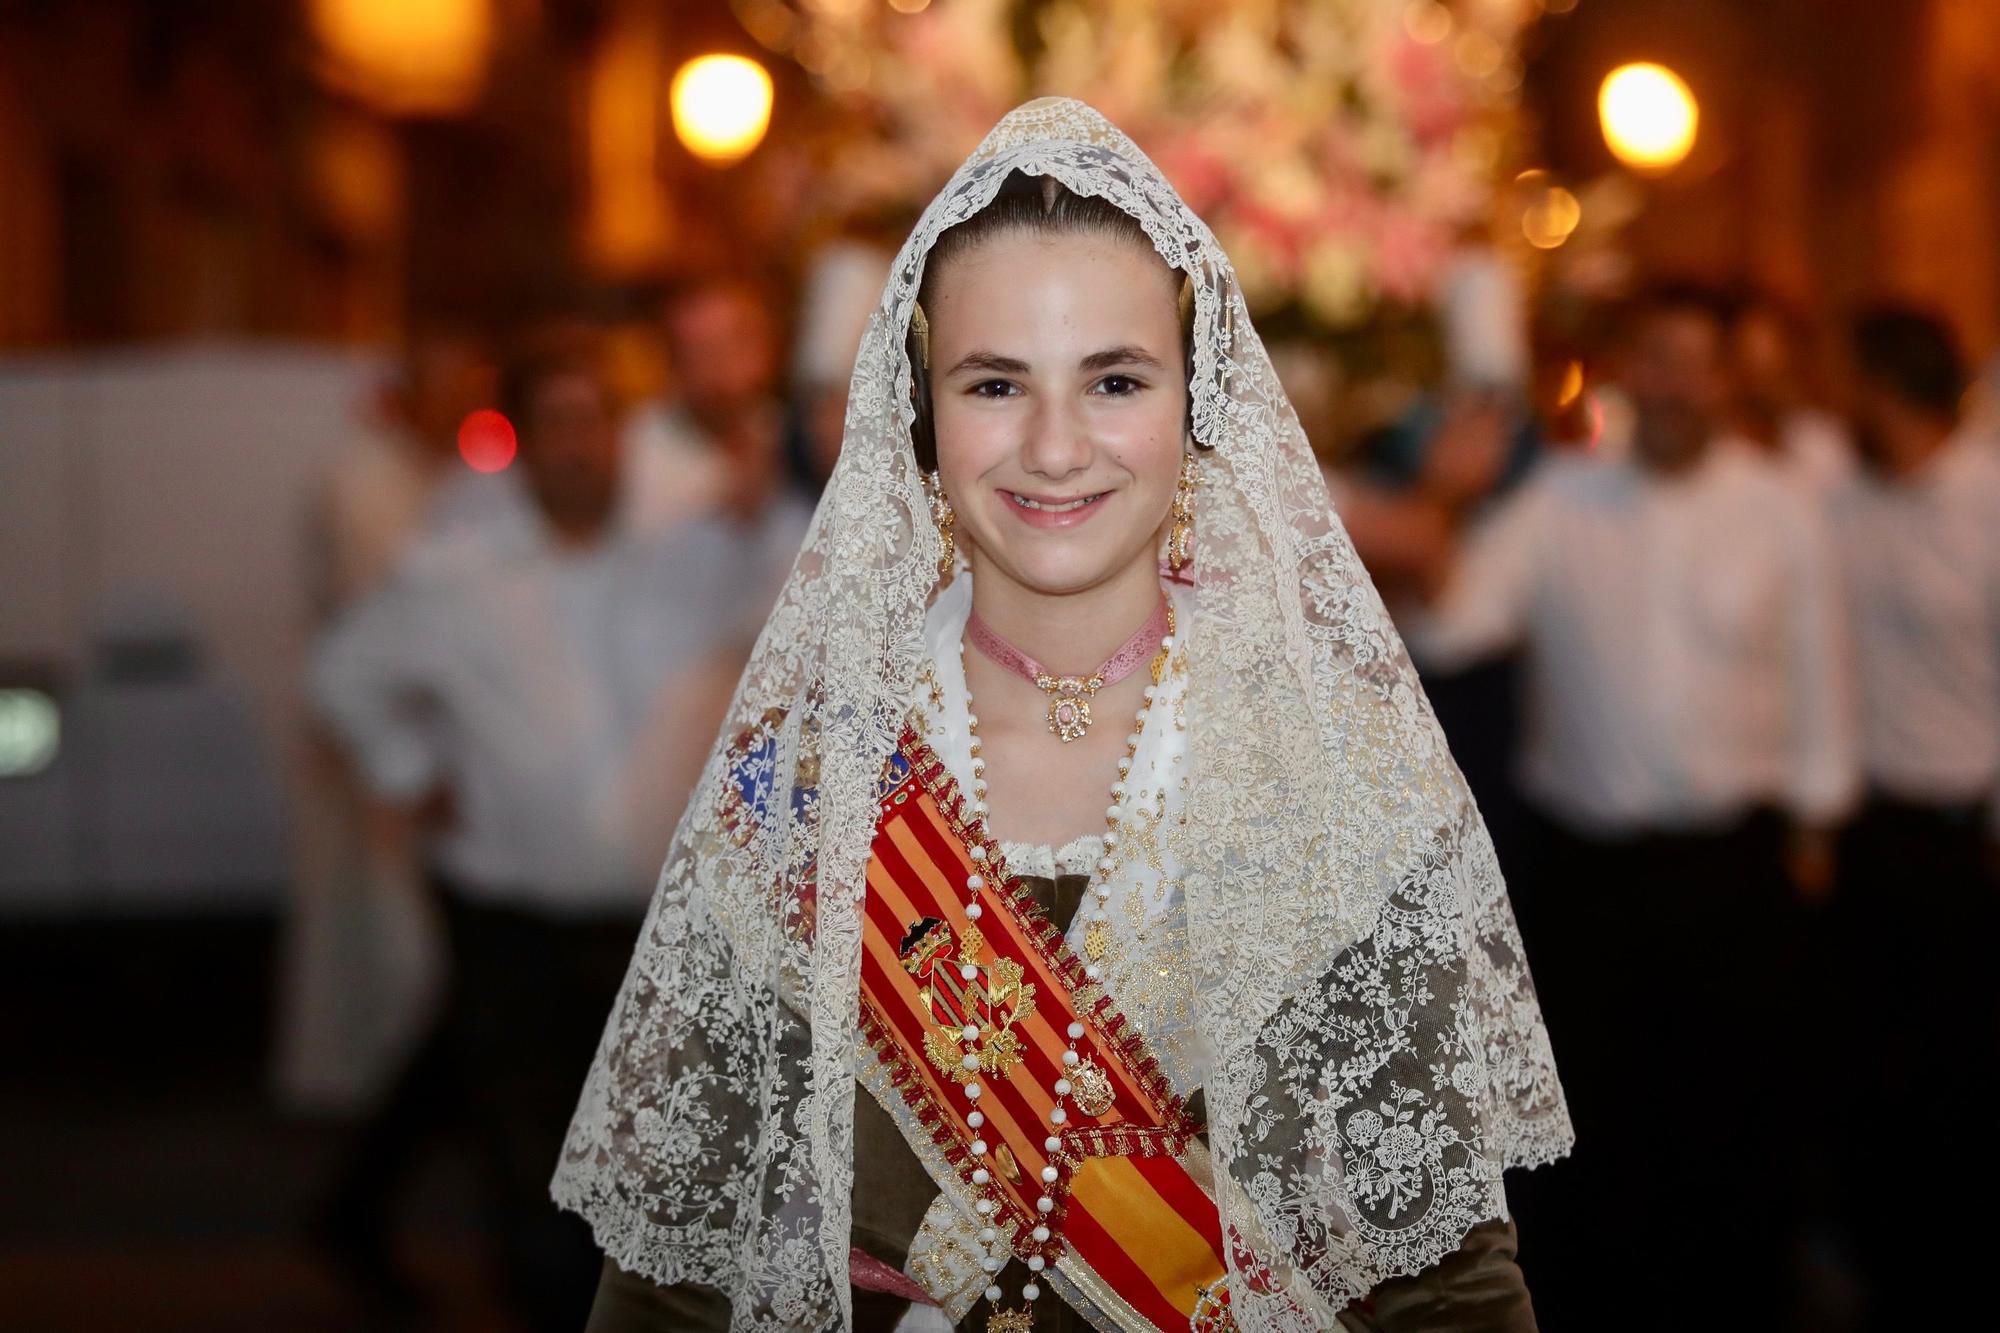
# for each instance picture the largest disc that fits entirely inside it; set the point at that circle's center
(1044, 206)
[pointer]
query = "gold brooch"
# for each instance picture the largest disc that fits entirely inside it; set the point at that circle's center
(1069, 703)
(1090, 1086)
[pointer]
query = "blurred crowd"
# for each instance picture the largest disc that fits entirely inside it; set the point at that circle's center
(518, 675)
(1718, 650)
(1721, 658)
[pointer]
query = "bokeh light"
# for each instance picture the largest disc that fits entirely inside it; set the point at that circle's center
(486, 440)
(1427, 21)
(721, 107)
(30, 732)
(1550, 217)
(1648, 115)
(409, 57)
(1478, 55)
(1572, 385)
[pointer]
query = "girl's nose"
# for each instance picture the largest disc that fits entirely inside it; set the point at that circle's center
(1057, 445)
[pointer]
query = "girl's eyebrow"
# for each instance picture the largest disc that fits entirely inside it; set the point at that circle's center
(991, 361)
(997, 364)
(1119, 356)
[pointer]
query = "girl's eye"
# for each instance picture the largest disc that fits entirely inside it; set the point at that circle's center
(991, 389)
(1119, 386)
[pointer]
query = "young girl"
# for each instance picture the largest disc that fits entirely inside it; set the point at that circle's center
(1081, 923)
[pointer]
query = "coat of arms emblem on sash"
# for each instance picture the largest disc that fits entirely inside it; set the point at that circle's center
(968, 999)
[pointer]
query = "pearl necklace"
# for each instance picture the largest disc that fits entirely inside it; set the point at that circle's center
(1096, 941)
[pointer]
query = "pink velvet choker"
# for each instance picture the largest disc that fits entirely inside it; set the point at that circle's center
(1069, 696)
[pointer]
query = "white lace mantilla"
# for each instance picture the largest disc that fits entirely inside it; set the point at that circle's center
(1374, 1053)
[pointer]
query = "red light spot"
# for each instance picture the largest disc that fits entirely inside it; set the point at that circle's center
(486, 440)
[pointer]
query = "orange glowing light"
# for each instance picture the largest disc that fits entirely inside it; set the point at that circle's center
(409, 57)
(721, 107)
(486, 440)
(1648, 115)
(1572, 384)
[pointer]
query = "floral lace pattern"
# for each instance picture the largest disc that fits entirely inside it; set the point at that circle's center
(1377, 1056)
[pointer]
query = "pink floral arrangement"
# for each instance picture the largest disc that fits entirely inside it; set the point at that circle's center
(1339, 148)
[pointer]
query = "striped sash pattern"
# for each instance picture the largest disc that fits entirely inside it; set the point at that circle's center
(1126, 1209)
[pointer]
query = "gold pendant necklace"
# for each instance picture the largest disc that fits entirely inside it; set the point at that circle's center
(1069, 696)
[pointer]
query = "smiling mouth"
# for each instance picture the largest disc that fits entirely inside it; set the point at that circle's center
(1057, 506)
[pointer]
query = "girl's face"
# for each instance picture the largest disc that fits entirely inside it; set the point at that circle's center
(1059, 396)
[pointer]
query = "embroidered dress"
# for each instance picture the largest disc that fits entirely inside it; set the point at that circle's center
(1282, 1074)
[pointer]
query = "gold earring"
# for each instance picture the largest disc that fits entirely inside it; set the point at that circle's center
(1181, 536)
(945, 517)
(920, 325)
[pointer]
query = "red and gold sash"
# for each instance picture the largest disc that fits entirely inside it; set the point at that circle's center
(1126, 1210)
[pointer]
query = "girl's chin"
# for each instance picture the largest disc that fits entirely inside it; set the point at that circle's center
(1053, 574)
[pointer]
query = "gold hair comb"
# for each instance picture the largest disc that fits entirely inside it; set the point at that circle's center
(920, 325)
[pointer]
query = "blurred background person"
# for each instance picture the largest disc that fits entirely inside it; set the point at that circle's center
(1401, 503)
(1685, 733)
(1917, 904)
(1773, 407)
(843, 282)
(526, 684)
(1402, 494)
(713, 443)
(362, 954)
(377, 493)
(1981, 418)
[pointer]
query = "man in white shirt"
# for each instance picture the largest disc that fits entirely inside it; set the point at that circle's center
(1915, 910)
(1809, 444)
(550, 676)
(714, 445)
(1685, 717)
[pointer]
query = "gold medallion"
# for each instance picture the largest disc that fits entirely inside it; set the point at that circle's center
(1097, 940)
(1090, 1086)
(1011, 1321)
(1069, 703)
